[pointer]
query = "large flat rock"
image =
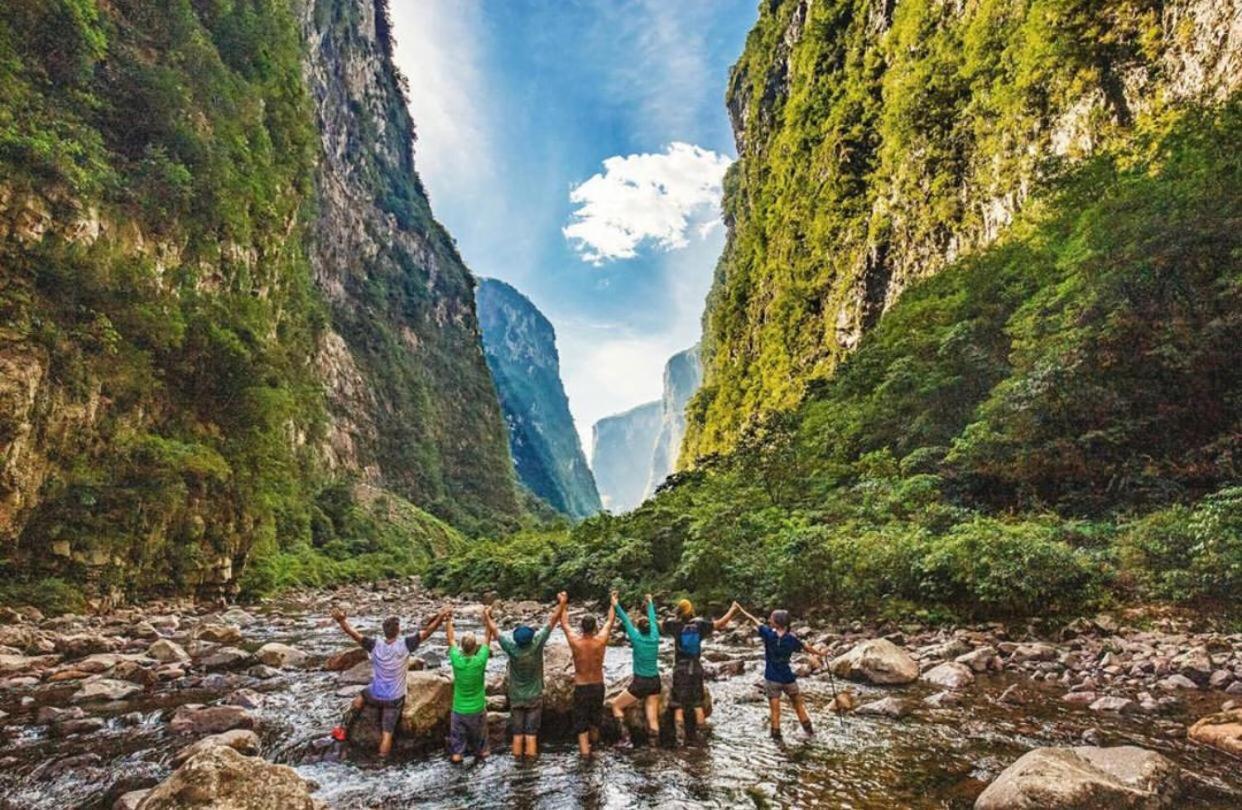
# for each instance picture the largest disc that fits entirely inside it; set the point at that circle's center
(1084, 778)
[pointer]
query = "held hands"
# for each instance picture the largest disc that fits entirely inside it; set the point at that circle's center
(612, 598)
(338, 615)
(562, 598)
(650, 599)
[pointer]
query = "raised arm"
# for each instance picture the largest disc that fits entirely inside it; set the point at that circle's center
(569, 634)
(653, 623)
(606, 632)
(723, 621)
(747, 615)
(430, 627)
(491, 630)
(448, 630)
(339, 616)
(626, 624)
(558, 612)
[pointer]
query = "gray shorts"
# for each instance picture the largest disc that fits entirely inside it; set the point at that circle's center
(468, 733)
(525, 720)
(774, 689)
(389, 710)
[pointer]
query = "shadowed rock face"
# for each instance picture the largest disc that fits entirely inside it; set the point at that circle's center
(621, 452)
(520, 346)
(682, 375)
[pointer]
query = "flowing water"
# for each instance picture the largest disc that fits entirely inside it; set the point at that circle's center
(934, 758)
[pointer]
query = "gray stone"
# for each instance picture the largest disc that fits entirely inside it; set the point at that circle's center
(1084, 778)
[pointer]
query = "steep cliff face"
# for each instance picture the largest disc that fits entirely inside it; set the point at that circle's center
(621, 451)
(879, 141)
(223, 298)
(520, 346)
(683, 374)
(412, 405)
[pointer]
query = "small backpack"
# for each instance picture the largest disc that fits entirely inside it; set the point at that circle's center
(689, 641)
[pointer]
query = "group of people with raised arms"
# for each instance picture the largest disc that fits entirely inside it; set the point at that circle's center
(524, 648)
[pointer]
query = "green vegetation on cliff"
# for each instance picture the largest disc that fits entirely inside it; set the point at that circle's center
(163, 412)
(1050, 423)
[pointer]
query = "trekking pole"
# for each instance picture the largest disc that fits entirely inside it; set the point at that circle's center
(836, 701)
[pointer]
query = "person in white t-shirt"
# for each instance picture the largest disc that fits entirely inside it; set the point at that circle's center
(390, 661)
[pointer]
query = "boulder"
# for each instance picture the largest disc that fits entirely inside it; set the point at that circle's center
(424, 717)
(978, 660)
(131, 800)
(10, 664)
(274, 654)
(1111, 703)
(878, 661)
(242, 740)
(1036, 651)
(219, 633)
(1084, 778)
(168, 652)
(1175, 682)
(19, 637)
(225, 658)
(359, 673)
(238, 617)
(246, 698)
(190, 719)
(222, 779)
(345, 659)
(895, 708)
(1195, 664)
(944, 698)
(1222, 730)
(105, 689)
(844, 701)
(79, 645)
(558, 680)
(950, 675)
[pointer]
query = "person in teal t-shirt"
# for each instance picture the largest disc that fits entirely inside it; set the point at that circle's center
(468, 723)
(645, 685)
(524, 646)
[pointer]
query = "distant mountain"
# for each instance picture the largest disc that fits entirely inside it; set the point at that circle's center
(622, 447)
(520, 346)
(682, 375)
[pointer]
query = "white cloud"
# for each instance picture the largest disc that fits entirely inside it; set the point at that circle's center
(653, 198)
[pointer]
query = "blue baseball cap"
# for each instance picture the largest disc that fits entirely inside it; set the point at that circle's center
(523, 636)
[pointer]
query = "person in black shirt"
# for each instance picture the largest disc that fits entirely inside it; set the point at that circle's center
(688, 632)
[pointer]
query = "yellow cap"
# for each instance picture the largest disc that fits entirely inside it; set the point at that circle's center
(685, 609)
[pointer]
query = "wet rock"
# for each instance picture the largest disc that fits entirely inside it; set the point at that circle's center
(878, 661)
(1222, 730)
(942, 699)
(1194, 664)
(1220, 679)
(241, 740)
(345, 659)
(1111, 703)
(238, 617)
(1234, 688)
(978, 660)
(80, 645)
(221, 778)
(225, 658)
(190, 719)
(219, 633)
(358, 674)
(19, 637)
(1037, 651)
(1010, 695)
(1080, 698)
(950, 675)
(424, 717)
(10, 664)
(246, 698)
(281, 656)
(105, 689)
(1084, 777)
(263, 672)
(723, 670)
(895, 708)
(558, 681)
(135, 672)
(949, 649)
(82, 725)
(54, 714)
(168, 652)
(844, 701)
(635, 719)
(1175, 682)
(131, 800)
(56, 767)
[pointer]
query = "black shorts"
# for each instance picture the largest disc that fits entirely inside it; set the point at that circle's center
(688, 684)
(389, 710)
(642, 687)
(588, 706)
(525, 720)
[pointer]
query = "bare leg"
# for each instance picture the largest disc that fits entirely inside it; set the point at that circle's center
(700, 716)
(517, 746)
(803, 717)
(532, 746)
(652, 707)
(679, 724)
(774, 710)
(619, 704)
(385, 743)
(584, 744)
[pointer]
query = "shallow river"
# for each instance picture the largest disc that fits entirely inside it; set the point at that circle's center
(935, 758)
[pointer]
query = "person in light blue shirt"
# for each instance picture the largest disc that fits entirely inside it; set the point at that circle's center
(645, 685)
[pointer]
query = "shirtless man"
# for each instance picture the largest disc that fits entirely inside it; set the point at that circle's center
(588, 652)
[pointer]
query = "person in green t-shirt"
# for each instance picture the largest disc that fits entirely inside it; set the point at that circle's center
(468, 723)
(524, 646)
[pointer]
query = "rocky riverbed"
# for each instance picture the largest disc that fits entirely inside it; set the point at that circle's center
(95, 710)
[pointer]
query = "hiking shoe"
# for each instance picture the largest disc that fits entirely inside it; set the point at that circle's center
(808, 729)
(339, 734)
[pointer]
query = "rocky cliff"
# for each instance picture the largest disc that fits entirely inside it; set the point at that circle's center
(621, 452)
(224, 299)
(520, 346)
(879, 141)
(682, 375)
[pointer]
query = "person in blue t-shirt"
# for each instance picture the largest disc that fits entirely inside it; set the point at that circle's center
(779, 646)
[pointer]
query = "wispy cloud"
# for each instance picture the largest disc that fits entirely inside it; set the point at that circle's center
(656, 198)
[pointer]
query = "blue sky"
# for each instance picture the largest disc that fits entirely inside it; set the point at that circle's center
(518, 105)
